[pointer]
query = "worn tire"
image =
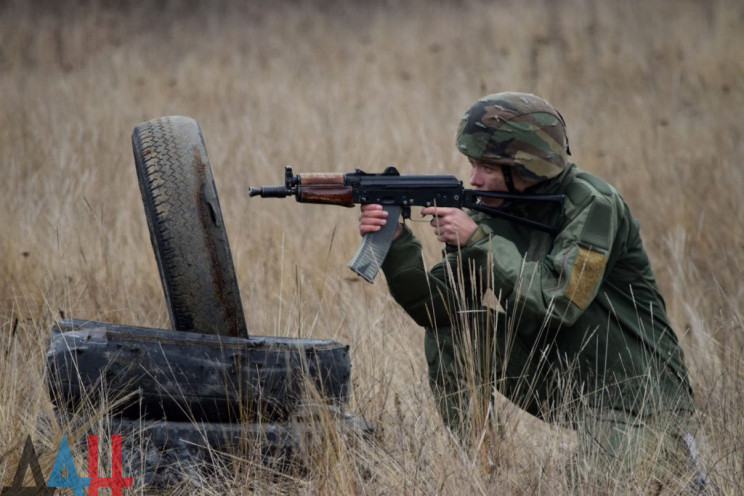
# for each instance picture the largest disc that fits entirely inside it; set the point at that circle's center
(183, 376)
(159, 454)
(186, 227)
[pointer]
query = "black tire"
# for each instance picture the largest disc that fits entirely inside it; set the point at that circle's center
(183, 376)
(186, 227)
(158, 454)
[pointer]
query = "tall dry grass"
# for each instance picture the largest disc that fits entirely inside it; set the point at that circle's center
(652, 92)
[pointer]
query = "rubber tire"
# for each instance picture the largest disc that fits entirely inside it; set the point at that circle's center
(161, 454)
(183, 376)
(186, 227)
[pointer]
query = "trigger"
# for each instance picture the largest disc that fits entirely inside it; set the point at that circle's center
(406, 212)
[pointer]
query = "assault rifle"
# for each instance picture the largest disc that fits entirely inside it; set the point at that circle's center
(397, 194)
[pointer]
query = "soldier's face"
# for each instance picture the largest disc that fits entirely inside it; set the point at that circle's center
(490, 177)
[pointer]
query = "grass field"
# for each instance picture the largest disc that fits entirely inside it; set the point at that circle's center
(653, 94)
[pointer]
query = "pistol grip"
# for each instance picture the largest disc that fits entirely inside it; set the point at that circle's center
(375, 246)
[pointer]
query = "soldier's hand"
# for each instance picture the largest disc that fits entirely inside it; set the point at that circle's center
(451, 225)
(372, 219)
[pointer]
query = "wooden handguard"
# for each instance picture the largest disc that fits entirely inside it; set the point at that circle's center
(329, 194)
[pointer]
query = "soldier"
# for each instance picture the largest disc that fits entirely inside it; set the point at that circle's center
(569, 326)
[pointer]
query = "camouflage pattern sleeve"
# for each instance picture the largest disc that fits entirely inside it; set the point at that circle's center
(425, 299)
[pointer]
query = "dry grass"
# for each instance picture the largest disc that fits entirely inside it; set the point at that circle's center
(652, 92)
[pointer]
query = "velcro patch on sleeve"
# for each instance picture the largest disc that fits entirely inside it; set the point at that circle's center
(585, 276)
(597, 229)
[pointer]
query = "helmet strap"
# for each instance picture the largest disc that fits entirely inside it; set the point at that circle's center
(508, 179)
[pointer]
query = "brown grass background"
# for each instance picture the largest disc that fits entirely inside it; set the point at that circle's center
(653, 93)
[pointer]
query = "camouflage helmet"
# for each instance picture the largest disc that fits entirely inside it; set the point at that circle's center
(515, 129)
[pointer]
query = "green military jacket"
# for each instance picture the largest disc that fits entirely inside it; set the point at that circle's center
(585, 298)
